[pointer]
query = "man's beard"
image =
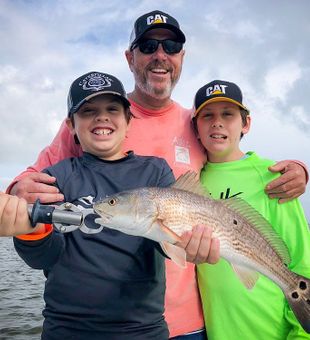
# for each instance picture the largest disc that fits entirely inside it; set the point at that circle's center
(146, 86)
(157, 92)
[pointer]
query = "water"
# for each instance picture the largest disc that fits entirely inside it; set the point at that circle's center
(21, 296)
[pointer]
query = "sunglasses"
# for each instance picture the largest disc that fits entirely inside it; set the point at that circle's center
(149, 46)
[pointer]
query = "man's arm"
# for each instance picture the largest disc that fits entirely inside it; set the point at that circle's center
(30, 184)
(292, 182)
(35, 186)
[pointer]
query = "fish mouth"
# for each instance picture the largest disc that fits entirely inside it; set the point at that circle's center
(104, 216)
(101, 220)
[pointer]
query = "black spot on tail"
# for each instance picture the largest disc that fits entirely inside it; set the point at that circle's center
(295, 295)
(299, 301)
(303, 285)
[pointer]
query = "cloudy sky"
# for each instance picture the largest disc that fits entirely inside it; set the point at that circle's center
(261, 45)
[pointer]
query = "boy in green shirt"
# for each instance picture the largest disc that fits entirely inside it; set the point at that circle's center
(230, 310)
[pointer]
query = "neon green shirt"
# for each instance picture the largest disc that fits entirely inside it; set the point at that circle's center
(231, 311)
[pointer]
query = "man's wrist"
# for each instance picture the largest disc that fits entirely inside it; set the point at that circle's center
(10, 187)
(304, 166)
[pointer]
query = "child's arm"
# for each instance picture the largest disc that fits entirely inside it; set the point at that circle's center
(41, 250)
(14, 218)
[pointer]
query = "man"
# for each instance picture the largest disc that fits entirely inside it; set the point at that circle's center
(161, 128)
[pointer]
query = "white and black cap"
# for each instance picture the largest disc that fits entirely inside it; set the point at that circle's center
(93, 84)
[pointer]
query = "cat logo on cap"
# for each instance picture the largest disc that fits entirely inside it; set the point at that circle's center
(216, 89)
(156, 19)
(217, 92)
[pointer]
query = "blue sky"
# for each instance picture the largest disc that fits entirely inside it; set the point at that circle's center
(261, 45)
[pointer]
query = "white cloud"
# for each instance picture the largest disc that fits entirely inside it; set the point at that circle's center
(7, 72)
(280, 79)
(300, 115)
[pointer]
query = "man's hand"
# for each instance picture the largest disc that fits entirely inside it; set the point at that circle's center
(199, 245)
(14, 219)
(291, 184)
(37, 185)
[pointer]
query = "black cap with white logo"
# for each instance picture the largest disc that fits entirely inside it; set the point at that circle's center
(217, 91)
(152, 20)
(93, 84)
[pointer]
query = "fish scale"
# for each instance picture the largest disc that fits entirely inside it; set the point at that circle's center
(187, 212)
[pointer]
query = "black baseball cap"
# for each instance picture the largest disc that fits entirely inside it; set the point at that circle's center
(152, 20)
(93, 84)
(218, 91)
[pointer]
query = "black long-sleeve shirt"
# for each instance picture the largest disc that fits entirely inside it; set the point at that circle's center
(107, 285)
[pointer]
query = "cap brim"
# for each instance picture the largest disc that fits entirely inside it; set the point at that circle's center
(219, 99)
(100, 93)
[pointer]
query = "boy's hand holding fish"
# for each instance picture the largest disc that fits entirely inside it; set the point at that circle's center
(199, 245)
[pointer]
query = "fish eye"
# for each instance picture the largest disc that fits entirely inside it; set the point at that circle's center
(112, 201)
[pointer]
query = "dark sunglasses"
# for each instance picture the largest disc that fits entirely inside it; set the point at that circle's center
(149, 46)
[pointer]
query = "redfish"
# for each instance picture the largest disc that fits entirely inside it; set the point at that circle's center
(247, 240)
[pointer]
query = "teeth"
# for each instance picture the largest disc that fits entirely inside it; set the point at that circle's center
(102, 132)
(159, 70)
(218, 136)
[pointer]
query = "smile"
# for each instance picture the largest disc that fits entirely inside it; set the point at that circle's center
(159, 71)
(102, 132)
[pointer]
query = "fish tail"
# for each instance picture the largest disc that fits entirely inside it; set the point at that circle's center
(299, 300)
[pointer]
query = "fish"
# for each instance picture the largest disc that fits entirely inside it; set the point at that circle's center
(247, 240)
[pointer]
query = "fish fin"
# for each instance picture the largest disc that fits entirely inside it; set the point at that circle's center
(175, 253)
(246, 276)
(242, 207)
(190, 182)
(159, 232)
(299, 300)
(173, 237)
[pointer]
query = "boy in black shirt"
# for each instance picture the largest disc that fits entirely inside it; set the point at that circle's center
(107, 285)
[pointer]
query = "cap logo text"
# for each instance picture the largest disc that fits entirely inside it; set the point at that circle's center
(216, 89)
(95, 82)
(156, 19)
